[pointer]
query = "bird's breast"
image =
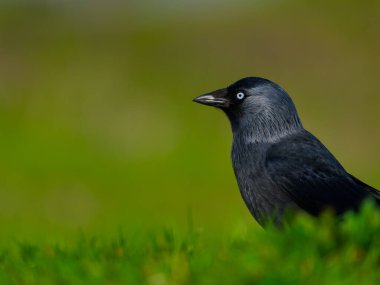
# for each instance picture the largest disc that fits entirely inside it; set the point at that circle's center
(248, 159)
(249, 166)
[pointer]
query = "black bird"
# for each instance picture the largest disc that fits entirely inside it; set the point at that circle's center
(280, 166)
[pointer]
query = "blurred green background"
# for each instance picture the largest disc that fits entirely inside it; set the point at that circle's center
(97, 128)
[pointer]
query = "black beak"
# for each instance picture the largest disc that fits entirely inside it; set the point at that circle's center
(216, 98)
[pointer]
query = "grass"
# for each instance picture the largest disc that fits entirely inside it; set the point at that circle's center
(310, 251)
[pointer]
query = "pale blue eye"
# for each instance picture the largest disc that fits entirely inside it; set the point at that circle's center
(240, 95)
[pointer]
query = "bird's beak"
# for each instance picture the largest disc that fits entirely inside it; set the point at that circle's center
(216, 98)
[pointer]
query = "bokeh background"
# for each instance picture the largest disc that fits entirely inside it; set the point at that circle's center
(97, 128)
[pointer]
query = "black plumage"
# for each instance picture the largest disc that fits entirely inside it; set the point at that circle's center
(279, 166)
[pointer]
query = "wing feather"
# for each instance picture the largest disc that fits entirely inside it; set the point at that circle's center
(303, 168)
(374, 192)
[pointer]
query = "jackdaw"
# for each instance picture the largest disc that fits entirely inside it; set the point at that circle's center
(280, 166)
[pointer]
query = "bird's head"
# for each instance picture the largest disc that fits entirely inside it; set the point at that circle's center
(257, 106)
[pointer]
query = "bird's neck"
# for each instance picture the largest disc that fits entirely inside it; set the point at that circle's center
(265, 129)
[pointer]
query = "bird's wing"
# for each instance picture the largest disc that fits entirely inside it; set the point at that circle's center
(374, 192)
(305, 170)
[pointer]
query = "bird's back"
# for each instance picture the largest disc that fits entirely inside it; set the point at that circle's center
(296, 171)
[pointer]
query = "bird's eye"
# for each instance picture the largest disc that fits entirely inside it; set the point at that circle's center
(240, 95)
